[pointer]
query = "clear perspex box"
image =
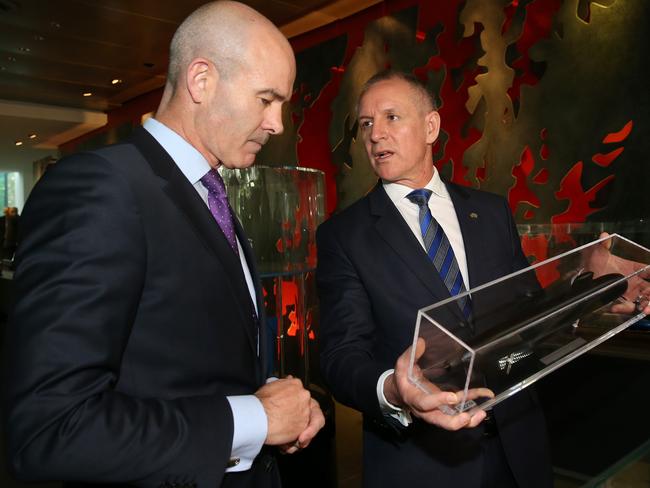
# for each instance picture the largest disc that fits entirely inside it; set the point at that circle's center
(529, 323)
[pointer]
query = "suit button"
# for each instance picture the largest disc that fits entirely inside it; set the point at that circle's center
(232, 462)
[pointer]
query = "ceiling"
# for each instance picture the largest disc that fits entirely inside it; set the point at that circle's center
(52, 52)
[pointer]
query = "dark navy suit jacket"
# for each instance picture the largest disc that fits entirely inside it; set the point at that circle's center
(132, 324)
(373, 276)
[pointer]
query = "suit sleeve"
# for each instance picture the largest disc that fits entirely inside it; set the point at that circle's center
(347, 328)
(80, 272)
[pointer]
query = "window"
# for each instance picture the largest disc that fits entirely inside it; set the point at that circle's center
(11, 189)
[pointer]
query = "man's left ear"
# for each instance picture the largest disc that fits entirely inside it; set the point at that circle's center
(200, 75)
(432, 126)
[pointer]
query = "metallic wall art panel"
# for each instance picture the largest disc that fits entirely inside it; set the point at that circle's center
(542, 101)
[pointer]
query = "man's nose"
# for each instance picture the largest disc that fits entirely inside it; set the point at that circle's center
(273, 120)
(377, 132)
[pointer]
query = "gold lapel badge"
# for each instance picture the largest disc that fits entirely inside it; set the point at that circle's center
(473, 215)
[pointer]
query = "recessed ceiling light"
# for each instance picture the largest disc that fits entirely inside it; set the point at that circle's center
(32, 136)
(116, 81)
(19, 143)
(38, 37)
(24, 49)
(11, 58)
(88, 94)
(55, 25)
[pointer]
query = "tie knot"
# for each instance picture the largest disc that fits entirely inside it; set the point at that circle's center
(420, 196)
(213, 182)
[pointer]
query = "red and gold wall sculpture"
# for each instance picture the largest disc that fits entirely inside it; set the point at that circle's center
(543, 101)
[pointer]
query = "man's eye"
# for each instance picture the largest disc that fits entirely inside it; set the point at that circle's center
(366, 124)
(266, 101)
(392, 117)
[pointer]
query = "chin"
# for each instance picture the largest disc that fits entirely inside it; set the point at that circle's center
(248, 162)
(243, 163)
(386, 175)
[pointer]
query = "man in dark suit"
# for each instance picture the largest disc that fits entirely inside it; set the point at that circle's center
(135, 354)
(377, 267)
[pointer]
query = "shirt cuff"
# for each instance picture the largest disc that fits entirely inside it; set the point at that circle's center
(401, 415)
(249, 433)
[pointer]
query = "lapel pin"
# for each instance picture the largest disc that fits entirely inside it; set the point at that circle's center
(473, 215)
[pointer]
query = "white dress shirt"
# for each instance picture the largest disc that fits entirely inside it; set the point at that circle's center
(442, 209)
(249, 418)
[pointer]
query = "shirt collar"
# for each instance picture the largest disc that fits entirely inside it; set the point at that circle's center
(190, 161)
(397, 191)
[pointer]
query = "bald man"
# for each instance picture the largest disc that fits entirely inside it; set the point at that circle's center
(134, 351)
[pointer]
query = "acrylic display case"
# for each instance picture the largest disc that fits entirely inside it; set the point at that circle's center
(527, 324)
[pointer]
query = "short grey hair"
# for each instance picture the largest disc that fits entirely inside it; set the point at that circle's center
(414, 82)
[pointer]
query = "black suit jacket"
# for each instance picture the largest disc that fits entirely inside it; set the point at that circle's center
(373, 276)
(132, 324)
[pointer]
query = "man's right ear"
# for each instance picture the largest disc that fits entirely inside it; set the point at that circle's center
(432, 126)
(200, 76)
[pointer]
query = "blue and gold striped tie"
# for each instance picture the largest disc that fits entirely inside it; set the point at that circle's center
(439, 250)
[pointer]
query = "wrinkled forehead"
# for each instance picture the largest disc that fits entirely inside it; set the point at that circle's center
(388, 95)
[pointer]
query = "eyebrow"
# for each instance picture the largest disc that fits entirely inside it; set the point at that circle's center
(272, 93)
(383, 111)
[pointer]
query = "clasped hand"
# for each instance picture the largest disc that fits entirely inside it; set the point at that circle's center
(294, 417)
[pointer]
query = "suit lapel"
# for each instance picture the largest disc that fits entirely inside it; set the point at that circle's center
(185, 197)
(259, 299)
(468, 215)
(395, 231)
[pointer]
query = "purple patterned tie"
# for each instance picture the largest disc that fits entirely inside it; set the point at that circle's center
(219, 207)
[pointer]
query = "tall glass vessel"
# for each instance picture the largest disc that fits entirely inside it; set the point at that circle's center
(280, 209)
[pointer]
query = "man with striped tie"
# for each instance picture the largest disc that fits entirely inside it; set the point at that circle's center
(412, 241)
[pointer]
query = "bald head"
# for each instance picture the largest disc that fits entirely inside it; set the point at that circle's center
(231, 70)
(222, 32)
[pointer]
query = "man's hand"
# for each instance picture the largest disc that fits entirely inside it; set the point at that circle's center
(316, 423)
(636, 298)
(401, 392)
(288, 407)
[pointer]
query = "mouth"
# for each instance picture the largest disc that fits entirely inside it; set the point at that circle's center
(257, 145)
(258, 142)
(382, 155)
